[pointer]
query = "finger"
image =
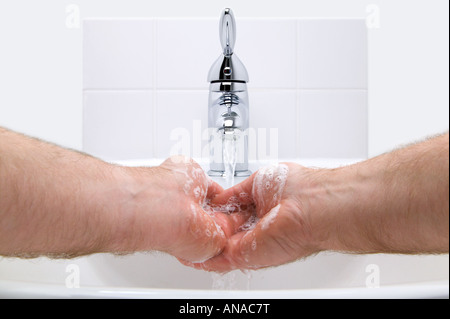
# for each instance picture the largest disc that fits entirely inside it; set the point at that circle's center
(202, 266)
(258, 248)
(207, 237)
(242, 191)
(233, 223)
(240, 253)
(226, 261)
(214, 189)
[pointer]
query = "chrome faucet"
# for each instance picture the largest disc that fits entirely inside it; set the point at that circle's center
(228, 108)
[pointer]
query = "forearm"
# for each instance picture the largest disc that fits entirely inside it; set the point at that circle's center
(53, 201)
(394, 203)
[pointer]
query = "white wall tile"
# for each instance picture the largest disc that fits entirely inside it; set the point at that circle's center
(274, 110)
(186, 111)
(181, 121)
(332, 54)
(118, 54)
(186, 49)
(327, 57)
(267, 47)
(333, 124)
(118, 125)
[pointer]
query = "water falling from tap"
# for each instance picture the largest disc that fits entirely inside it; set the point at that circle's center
(230, 156)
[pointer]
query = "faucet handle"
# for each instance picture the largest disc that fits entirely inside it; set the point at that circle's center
(227, 31)
(227, 67)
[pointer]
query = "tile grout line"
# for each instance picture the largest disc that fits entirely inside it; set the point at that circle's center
(206, 90)
(368, 59)
(154, 89)
(297, 92)
(83, 95)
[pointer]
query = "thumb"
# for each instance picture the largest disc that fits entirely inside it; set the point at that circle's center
(242, 192)
(261, 247)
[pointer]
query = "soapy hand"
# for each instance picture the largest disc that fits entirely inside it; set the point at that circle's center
(274, 229)
(186, 224)
(394, 203)
(186, 230)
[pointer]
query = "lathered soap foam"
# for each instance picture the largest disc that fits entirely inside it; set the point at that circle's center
(268, 186)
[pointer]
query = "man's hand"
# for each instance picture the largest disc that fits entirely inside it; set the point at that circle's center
(276, 229)
(395, 203)
(165, 210)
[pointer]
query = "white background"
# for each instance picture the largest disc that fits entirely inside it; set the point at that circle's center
(41, 60)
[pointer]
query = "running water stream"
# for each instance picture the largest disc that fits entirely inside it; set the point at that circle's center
(269, 180)
(230, 157)
(229, 144)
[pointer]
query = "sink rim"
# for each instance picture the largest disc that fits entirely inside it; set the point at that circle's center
(422, 290)
(204, 163)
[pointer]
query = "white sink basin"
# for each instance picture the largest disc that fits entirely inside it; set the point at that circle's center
(157, 275)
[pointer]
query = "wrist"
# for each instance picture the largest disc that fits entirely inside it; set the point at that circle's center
(335, 205)
(354, 209)
(132, 218)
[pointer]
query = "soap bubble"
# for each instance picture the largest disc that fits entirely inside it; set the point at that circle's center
(254, 244)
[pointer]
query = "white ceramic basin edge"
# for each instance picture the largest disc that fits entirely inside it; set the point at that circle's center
(428, 290)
